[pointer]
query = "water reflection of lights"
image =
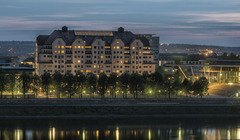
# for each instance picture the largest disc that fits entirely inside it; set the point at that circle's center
(84, 135)
(228, 134)
(149, 134)
(117, 133)
(18, 134)
(97, 134)
(52, 133)
(180, 133)
(238, 133)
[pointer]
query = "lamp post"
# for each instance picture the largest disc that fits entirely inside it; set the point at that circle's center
(169, 88)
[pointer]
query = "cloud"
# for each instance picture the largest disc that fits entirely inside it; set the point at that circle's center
(216, 17)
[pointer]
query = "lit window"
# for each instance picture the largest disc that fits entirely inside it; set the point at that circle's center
(117, 71)
(133, 48)
(94, 66)
(114, 71)
(101, 57)
(58, 51)
(62, 51)
(140, 52)
(101, 70)
(117, 47)
(62, 46)
(55, 51)
(55, 47)
(81, 70)
(82, 47)
(117, 41)
(75, 47)
(79, 61)
(121, 62)
(75, 61)
(59, 47)
(114, 47)
(79, 47)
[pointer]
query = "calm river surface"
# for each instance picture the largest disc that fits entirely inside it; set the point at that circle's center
(120, 129)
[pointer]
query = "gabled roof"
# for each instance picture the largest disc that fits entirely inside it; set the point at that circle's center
(70, 36)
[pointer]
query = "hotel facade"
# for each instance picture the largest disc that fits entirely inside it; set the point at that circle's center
(93, 51)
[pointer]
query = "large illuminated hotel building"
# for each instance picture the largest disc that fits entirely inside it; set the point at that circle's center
(93, 51)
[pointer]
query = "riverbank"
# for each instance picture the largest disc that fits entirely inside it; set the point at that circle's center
(118, 107)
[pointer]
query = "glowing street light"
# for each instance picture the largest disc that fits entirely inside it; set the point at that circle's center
(236, 94)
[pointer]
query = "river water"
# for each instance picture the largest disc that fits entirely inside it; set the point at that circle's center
(164, 128)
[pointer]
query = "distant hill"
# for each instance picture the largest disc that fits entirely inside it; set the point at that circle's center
(17, 48)
(197, 49)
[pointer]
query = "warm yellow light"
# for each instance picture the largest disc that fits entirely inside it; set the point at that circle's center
(55, 51)
(79, 61)
(121, 62)
(101, 57)
(82, 71)
(94, 66)
(101, 70)
(140, 52)
(79, 47)
(56, 47)
(117, 41)
(117, 47)
(114, 71)
(59, 47)
(114, 47)
(58, 51)
(133, 48)
(75, 46)
(62, 51)
(82, 47)
(230, 83)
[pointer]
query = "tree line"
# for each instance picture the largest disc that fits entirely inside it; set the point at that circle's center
(156, 84)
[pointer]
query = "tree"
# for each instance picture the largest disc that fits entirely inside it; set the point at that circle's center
(80, 80)
(187, 86)
(136, 84)
(156, 80)
(124, 81)
(46, 81)
(36, 83)
(25, 80)
(12, 82)
(58, 80)
(91, 83)
(102, 84)
(112, 82)
(3, 82)
(69, 81)
(200, 86)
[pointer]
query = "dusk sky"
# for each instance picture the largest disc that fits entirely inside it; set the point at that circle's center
(211, 22)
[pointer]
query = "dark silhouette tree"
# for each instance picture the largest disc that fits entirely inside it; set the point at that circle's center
(46, 80)
(136, 84)
(12, 82)
(3, 82)
(124, 82)
(25, 80)
(91, 83)
(200, 86)
(80, 80)
(102, 84)
(112, 82)
(69, 81)
(58, 81)
(35, 84)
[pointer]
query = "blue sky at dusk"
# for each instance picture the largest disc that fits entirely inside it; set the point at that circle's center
(213, 22)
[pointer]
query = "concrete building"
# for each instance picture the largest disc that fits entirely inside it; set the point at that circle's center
(93, 51)
(154, 44)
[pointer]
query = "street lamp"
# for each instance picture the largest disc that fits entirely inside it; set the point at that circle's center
(169, 88)
(236, 94)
